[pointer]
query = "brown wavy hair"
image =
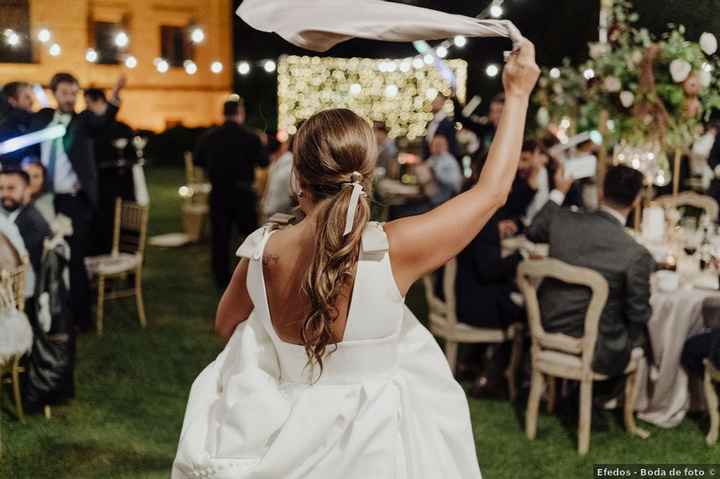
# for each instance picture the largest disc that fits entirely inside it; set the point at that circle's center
(331, 150)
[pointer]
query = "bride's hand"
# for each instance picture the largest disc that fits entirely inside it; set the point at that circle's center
(521, 72)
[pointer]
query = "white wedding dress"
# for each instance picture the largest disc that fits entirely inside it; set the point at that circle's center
(386, 405)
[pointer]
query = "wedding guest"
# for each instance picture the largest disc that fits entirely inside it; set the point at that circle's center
(598, 241)
(387, 150)
(16, 120)
(446, 179)
(230, 153)
(484, 127)
(72, 176)
(278, 195)
(37, 192)
(441, 124)
(114, 166)
(31, 224)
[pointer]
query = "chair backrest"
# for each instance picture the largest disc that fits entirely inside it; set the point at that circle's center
(14, 281)
(689, 198)
(442, 310)
(130, 230)
(530, 274)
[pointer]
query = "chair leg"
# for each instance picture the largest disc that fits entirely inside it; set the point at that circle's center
(533, 406)
(712, 404)
(99, 310)
(551, 394)
(16, 389)
(585, 416)
(139, 298)
(451, 351)
(632, 389)
(515, 360)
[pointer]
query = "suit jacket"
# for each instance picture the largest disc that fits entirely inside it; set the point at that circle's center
(484, 278)
(14, 122)
(596, 240)
(715, 348)
(34, 230)
(230, 153)
(79, 145)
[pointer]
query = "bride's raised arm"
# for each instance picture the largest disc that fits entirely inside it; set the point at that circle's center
(421, 244)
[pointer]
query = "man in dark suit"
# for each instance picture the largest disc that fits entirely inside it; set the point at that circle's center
(701, 347)
(230, 153)
(598, 241)
(30, 223)
(72, 176)
(441, 124)
(15, 119)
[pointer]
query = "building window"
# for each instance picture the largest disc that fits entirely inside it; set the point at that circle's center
(176, 45)
(15, 35)
(109, 50)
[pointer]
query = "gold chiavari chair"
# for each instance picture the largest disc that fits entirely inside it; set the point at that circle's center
(126, 259)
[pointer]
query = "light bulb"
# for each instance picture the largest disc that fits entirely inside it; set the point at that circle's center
(197, 35)
(555, 73)
(162, 65)
(121, 39)
(216, 67)
(44, 35)
(269, 66)
(243, 68)
(460, 41)
(442, 51)
(190, 67)
(496, 11)
(492, 70)
(131, 62)
(55, 50)
(91, 55)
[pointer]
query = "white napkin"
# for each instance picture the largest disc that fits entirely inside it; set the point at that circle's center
(321, 24)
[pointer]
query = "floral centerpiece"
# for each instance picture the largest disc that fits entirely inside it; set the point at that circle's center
(653, 92)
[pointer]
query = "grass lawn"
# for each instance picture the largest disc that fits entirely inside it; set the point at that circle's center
(132, 386)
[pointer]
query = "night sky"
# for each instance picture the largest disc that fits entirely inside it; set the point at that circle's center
(559, 28)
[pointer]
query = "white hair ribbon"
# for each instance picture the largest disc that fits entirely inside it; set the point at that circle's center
(357, 192)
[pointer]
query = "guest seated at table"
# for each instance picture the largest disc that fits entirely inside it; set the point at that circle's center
(485, 281)
(32, 226)
(387, 151)
(699, 348)
(40, 198)
(278, 197)
(598, 241)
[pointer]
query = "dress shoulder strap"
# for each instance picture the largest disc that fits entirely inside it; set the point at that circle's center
(254, 244)
(374, 239)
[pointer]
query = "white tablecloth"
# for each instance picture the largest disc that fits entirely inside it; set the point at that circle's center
(664, 393)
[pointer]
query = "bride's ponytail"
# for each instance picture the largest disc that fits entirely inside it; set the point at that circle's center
(334, 157)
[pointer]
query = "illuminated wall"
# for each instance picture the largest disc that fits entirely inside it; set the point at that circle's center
(398, 92)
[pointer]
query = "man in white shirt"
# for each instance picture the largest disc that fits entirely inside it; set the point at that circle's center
(72, 176)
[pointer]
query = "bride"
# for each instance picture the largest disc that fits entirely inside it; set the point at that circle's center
(326, 374)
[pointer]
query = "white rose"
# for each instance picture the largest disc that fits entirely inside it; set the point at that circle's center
(680, 70)
(708, 43)
(598, 49)
(612, 84)
(543, 117)
(637, 57)
(627, 98)
(705, 78)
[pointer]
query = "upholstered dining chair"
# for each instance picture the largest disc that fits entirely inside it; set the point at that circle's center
(561, 356)
(444, 324)
(126, 259)
(689, 198)
(712, 378)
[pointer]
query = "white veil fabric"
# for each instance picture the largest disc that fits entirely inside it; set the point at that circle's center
(319, 25)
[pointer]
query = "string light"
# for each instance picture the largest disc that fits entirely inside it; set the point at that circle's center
(91, 55)
(391, 91)
(55, 50)
(555, 73)
(442, 51)
(197, 35)
(121, 39)
(496, 11)
(190, 67)
(460, 41)
(216, 67)
(492, 70)
(12, 38)
(243, 68)
(355, 89)
(429, 59)
(162, 65)
(589, 74)
(131, 62)
(418, 63)
(270, 66)
(44, 35)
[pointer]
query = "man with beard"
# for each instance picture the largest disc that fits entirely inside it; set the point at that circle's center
(16, 117)
(72, 176)
(31, 224)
